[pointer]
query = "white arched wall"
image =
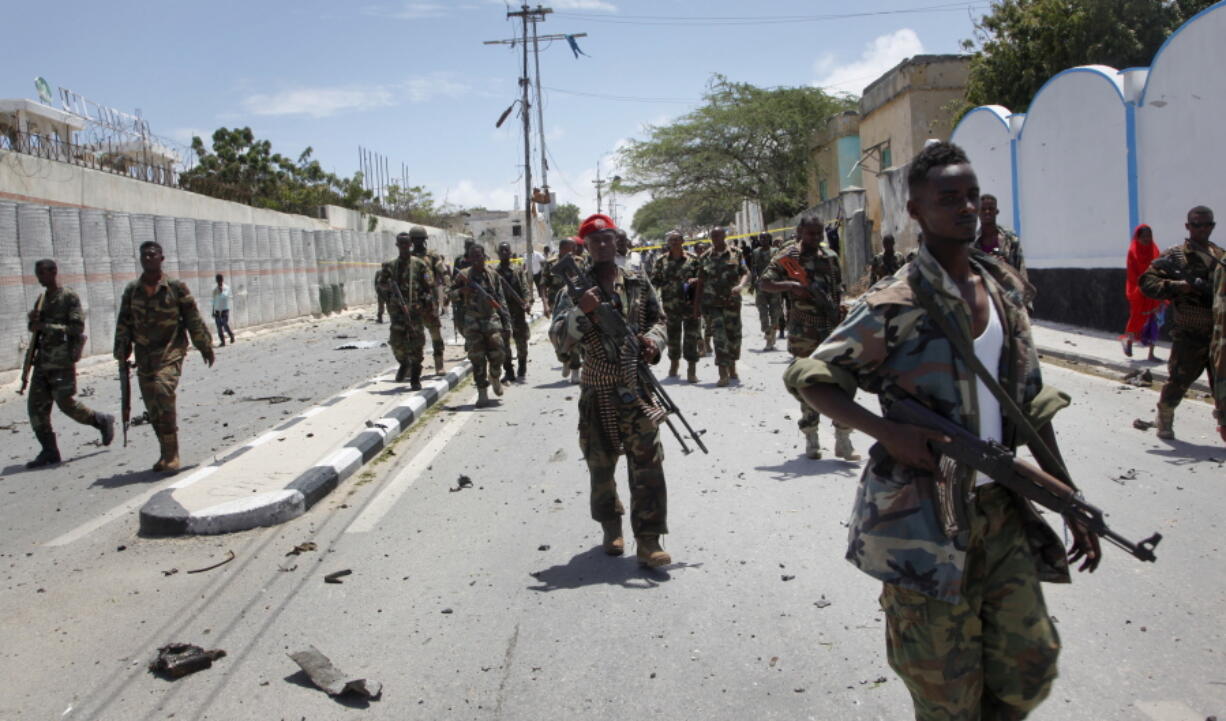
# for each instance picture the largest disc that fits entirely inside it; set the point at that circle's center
(1073, 172)
(984, 134)
(1181, 136)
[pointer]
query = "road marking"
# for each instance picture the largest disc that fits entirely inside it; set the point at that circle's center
(387, 497)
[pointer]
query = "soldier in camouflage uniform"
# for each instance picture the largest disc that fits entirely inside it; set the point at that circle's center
(156, 316)
(610, 425)
(770, 305)
(1184, 275)
(380, 282)
(885, 263)
(485, 319)
(57, 327)
(1001, 242)
(721, 276)
(967, 628)
(409, 287)
(672, 276)
(814, 313)
(438, 271)
(552, 286)
(518, 290)
(1217, 348)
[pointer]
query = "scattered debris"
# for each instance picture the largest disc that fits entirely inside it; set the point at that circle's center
(361, 345)
(786, 577)
(543, 547)
(141, 420)
(373, 424)
(228, 392)
(336, 576)
(1141, 378)
(461, 484)
(774, 660)
(329, 678)
(1142, 425)
(1128, 475)
(176, 660)
(270, 400)
(446, 611)
(558, 455)
(229, 557)
(86, 392)
(284, 569)
(822, 602)
(121, 548)
(302, 548)
(170, 572)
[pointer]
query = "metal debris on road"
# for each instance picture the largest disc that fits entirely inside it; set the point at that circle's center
(302, 548)
(361, 345)
(170, 572)
(327, 677)
(177, 660)
(821, 602)
(229, 557)
(336, 576)
(786, 577)
(271, 400)
(461, 484)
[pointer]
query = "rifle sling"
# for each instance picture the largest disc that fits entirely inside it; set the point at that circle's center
(965, 350)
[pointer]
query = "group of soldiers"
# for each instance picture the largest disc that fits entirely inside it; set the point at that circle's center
(491, 308)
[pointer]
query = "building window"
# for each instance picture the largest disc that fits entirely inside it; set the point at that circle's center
(887, 159)
(821, 190)
(516, 230)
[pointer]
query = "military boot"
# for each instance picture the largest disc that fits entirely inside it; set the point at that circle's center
(170, 453)
(415, 377)
(402, 372)
(438, 364)
(673, 367)
(649, 552)
(565, 371)
(732, 376)
(614, 543)
(770, 341)
(1164, 420)
(691, 373)
(523, 369)
(723, 376)
(508, 371)
(483, 398)
(813, 446)
(50, 454)
(105, 423)
(842, 445)
(496, 384)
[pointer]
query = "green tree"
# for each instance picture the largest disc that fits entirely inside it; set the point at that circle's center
(744, 142)
(1021, 44)
(659, 215)
(565, 220)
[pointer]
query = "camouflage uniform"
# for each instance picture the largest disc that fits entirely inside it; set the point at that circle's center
(1192, 330)
(668, 277)
(155, 328)
(407, 335)
(380, 282)
(53, 379)
(966, 625)
(883, 266)
(1217, 347)
(770, 305)
(718, 273)
(515, 278)
(1008, 248)
(610, 426)
(483, 323)
(438, 272)
(809, 323)
(554, 287)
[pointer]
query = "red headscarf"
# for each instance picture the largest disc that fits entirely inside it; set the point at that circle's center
(1140, 255)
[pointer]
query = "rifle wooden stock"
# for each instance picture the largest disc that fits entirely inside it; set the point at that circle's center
(27, 363)
(125, 397)
(1019, 476)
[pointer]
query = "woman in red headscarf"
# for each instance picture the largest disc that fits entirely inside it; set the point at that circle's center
(1141, 253)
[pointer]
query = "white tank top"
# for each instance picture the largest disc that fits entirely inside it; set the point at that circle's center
(988, 347)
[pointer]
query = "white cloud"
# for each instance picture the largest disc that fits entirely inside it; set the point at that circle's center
(883, 53)
(408, 10)
(467, 194)
(184, 135)
(322, 102)
(584, 5)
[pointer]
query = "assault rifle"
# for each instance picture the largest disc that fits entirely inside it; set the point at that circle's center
(616, 334)
(816, 286)
(1026, 479)
(502, 311)
(32, 349)
(125, 397)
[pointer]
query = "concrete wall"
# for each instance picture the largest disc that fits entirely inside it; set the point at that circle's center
(985, 135)
(1101, 150)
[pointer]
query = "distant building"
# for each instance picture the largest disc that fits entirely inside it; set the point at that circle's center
(491, 227)
(836, 156)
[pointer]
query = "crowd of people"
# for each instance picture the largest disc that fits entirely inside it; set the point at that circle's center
(960, 557)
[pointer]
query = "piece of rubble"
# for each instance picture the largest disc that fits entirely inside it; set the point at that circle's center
(302, 548)
(329, 678)
(335, 576)
(1142, 425)
(177, 660)
(229, 557)
(461, 484)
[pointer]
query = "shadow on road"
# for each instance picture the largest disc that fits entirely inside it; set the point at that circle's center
(802, 466)
(1181, 453)
(300, 678)
(128, 478)
(17, 468)
(556, 384)
(593, 567)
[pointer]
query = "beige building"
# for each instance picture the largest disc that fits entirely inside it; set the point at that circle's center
(835, 153)
(914, 101)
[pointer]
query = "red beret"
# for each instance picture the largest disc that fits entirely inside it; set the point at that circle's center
(595, 223)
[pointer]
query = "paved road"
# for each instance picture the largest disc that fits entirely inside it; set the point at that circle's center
(495, 602)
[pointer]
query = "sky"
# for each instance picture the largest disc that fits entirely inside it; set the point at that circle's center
(413, 81)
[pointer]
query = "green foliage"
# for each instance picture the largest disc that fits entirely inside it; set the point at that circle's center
(414, 204)
(241, 168)
(661, 214)
(1021, 44)
(744, 142)
(565, 220)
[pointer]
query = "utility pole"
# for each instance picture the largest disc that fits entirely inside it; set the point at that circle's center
(599, 183)
(533, 15)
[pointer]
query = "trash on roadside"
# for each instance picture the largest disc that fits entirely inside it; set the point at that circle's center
(822, 602)
(302, 548)
(361, 345)
(461, 484)
(170, 572)
(329, 678)
(336, 576)
(177, 660)
(1141, 378)
(229, 557)
(270, 400)
(228, 392)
